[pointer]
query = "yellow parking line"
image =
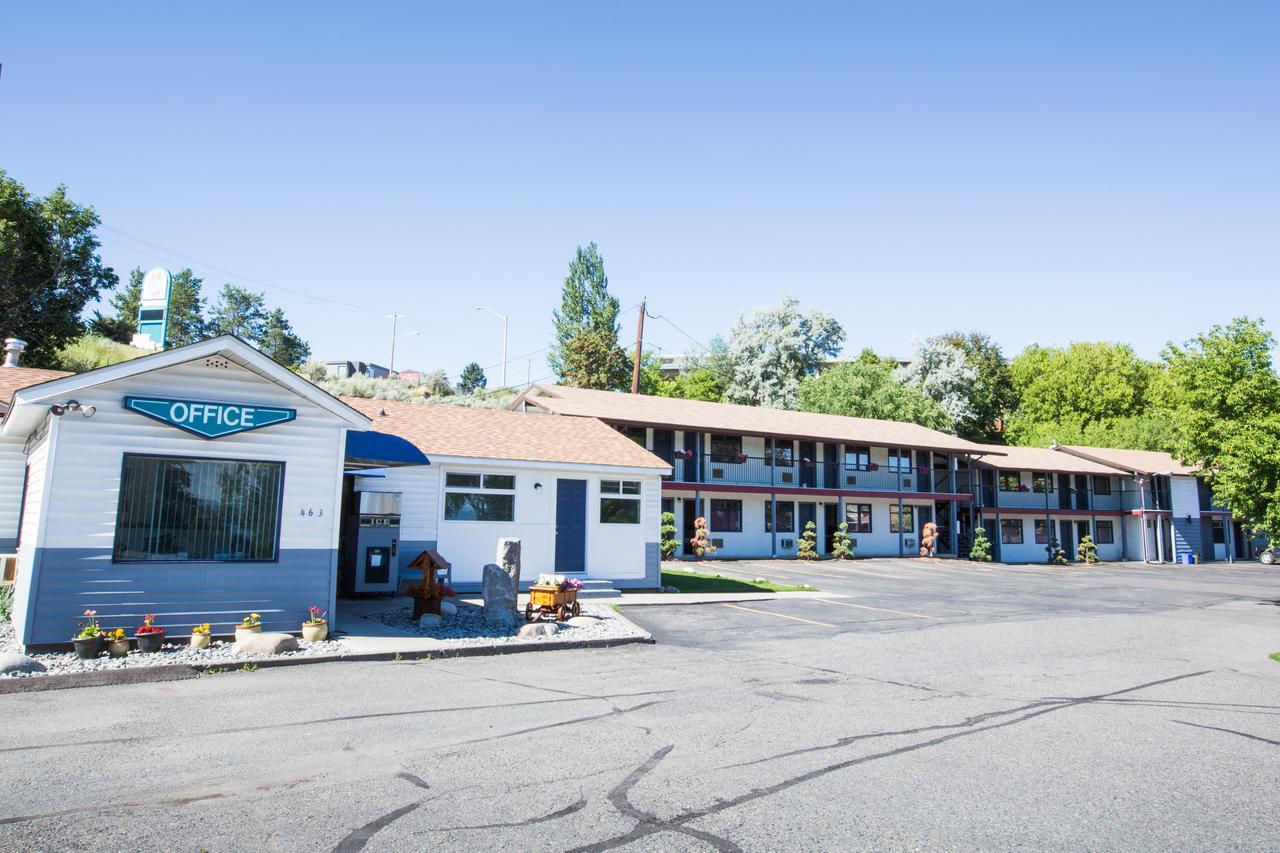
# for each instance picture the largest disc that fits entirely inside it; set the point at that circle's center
(779, 615)
(881, 609)
(872, 574)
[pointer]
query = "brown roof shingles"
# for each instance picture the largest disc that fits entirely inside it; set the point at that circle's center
(446, 430)
(14, 379)
(1042, 459)
(674, 413)
(1141, 461)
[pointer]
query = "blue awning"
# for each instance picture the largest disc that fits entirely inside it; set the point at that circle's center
(382, 450)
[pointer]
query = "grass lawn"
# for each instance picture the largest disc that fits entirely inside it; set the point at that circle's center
(695, 582)
(1275, 656)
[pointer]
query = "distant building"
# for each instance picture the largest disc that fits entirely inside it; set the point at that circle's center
(347, 369)
(413, 377)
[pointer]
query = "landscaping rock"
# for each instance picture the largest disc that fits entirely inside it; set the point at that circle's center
(539, 629)
(268, 643)
(509, 559)
(583, 621)
(448, 608)
(499, 598)
(428, 621)
(9, 664)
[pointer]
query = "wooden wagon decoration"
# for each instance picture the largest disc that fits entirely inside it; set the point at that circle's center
(552, 598)
(428, 594)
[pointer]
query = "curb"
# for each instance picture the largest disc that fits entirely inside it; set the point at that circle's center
(182, 672)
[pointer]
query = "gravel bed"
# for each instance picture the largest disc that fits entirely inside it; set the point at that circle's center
(467, 627)
(220, 652)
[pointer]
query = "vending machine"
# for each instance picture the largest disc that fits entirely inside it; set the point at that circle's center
(377, 541)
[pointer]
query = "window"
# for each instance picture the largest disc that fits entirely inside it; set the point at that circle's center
(1011, 481)
(786, 517)
(857, 458)
(904, 523)
(726, 448)
(1104, 533)
(1042, 531)
(899, 460)
(479, 497)
(858, 516)
(1041, 482)
(1011, 531)
(619, 501)
(1102, 485)
(1219, 532)
(726, 516)
(783, 454)
(178, 509)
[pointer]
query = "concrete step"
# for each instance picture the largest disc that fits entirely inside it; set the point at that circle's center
(592, 588)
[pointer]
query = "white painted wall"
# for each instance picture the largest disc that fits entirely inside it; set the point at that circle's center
(38, 489)
(13, 462)
(1184, 494)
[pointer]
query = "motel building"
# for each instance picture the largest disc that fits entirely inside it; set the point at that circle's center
(205, 482)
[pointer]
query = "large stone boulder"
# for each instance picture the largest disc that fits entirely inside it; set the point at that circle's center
(538, 629)
(11, 663)
(268, 643)
(509, 559)
(499, 598)
(448, 608)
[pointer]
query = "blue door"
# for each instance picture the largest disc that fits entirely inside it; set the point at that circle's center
(571, 526)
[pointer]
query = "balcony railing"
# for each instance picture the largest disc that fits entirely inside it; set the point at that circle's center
(742, 470)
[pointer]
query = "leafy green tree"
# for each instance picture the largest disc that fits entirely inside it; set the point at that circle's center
(49, 269)
(980, 549)
(942, 373)
(775, 349)
(698, 383)
(866, 389)
(586, 353)
(238, 312)
(841, 544)
(807, 548)
(1222, 396)
(278, 340)
(186, 309)
(668, 538)
(436, 384)
(1087, 552)
(991, 397)
(472, 379)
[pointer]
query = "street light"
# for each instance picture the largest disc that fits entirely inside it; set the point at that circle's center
(503, 318)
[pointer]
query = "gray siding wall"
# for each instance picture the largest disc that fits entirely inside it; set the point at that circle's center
(1187, 537)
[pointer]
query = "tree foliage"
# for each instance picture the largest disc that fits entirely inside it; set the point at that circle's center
(991, 396)
(668, 536)
(771, 352)
(807, 547)
(472, 379)
(586, 353)
(866, 388)
(238, 312)
(49, 269)
(278, 341)
(841, 543)
(980, 549)
(942, 373)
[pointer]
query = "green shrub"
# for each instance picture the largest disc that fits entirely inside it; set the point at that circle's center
(808, 547)
(669, 542)
(841, 544)
(89, 352)
(980, 550)
(1087, 552)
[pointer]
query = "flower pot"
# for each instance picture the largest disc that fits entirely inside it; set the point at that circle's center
(118, 648)
(150, 642)
(314, 632)
(242, 630)
(88, 647)
(200, 641)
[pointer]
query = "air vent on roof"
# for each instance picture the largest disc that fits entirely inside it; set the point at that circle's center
(13, 349)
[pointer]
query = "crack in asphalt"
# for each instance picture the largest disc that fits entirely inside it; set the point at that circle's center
(572, 808)
(1229, 731)
(649, 824)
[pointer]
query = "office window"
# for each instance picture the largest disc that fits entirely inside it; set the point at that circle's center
(1010, 481)
(479, 497)
(1011, 531)
(783, 454)
(904, 523)
(857, 458)
(1041, 531)
(1102, 485)
(726, 516)
(1104, 533)
(858, 516)
(725, 448)
(1041, 482)
(786, 517)
(619, 501)
(178, 509)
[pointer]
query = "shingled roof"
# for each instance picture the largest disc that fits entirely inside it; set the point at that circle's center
(1136, 461)
(673, 413)
(1043, 459)
(443, 430)
(16, 378)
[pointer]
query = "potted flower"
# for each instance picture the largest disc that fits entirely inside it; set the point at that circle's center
(251, 624)
(117, 643)
(740, 457)
(149, 637)
(316, 628)
(200, 636)
(89, 641)
(872, 466)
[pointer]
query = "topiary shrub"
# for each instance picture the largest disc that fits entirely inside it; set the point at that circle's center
(1057, 556)
(841, 544)
(808, 546)
(980, 550)
(669, 541)
(1087, 552)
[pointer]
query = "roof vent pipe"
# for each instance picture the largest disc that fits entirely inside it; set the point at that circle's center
(13, 349)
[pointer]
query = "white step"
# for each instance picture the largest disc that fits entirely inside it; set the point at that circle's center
(593, 588)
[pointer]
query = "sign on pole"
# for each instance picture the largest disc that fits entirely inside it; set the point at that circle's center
(153, 310)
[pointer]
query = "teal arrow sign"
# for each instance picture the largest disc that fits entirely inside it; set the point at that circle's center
(208, 419)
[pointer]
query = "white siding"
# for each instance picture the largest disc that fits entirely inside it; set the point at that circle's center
(13, 463)
(38, 488)
(1184, 494)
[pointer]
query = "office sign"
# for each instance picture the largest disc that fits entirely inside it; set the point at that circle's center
(153, 310)
(209, 419)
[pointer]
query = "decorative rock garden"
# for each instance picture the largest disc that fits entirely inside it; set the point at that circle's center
(468, 627)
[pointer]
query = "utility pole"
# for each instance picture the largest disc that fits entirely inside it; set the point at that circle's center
(391, 367)
(503, 318)
(635, 364)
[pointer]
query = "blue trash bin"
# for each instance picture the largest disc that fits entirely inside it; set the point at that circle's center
(1188, 559)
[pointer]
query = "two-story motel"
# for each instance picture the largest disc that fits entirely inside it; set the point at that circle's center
(760, 475)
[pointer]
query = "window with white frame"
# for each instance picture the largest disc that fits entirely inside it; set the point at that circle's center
(857, 457)
(786, 517)
(858, 517)
(1011, 531)
(479, 496)
(1042, 531)
(899, 460)
(619, 501)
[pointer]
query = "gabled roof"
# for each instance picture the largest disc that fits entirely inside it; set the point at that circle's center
(443, 430)
(34, 398)
(1043, 459)
(1130, 461)
(672, 413)
(16, 378)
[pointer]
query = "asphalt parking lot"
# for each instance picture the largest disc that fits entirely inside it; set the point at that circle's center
(954, 707)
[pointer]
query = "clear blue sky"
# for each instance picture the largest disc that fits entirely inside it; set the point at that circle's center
(1090, 171)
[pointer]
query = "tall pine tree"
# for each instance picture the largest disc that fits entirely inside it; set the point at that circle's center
(586, 353)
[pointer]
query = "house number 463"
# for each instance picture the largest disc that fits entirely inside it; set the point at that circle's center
(307, 511)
